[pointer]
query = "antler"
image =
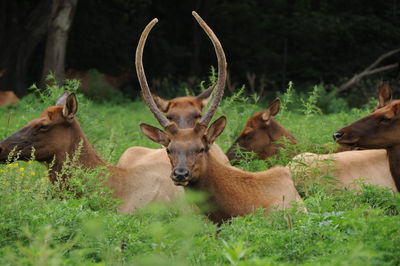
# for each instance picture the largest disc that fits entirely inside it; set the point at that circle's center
(147, 97)
(221, 70)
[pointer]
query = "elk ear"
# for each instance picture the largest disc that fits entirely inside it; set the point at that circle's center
(162, 104)
(246, 131)
(215, 129)
(155, 134)
(70, 107)
(272, 110)
(384, 94)
(205, 96)
(62, 99)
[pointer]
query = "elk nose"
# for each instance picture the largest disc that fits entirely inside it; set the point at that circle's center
(337, 135)
(180, 174)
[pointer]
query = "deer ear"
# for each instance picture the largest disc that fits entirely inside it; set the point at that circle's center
(62, 99)
(155, 134)
(205, 96)
(272, 110)
(384, 94)
(246, 131)
(215, 129)
(70, 107)
(162, 104)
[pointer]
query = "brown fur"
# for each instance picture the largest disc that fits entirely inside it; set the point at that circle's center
(261, 135)
(57, 133)
(7, 98)
(379, 130)
(233, 192)
(371, 166)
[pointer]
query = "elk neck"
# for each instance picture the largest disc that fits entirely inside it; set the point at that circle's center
(394, 162)
(225, 186)
(88, 157)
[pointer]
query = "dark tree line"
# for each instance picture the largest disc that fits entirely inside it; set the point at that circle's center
(267, 43)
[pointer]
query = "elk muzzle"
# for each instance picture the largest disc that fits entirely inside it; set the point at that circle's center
(181, 176)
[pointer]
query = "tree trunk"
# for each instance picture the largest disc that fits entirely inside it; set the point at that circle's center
(62, 15)
(24, 29)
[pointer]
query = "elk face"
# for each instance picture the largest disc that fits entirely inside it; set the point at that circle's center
(185, 112)
(261, 133)
(187, 148)
(377, 130)
(48, 135)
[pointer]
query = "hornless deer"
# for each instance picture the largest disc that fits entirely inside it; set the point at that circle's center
(348, 164)
(232, 191)
(7, 98)
(378, 130)
(57, 133)
(262, 134)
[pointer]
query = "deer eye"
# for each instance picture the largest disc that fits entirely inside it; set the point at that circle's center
(197, 116)
(168, 151)
(202, 150)
(385, 120)
(44, 127)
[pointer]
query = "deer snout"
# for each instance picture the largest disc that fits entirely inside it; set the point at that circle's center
(181, 176)
(337, 135)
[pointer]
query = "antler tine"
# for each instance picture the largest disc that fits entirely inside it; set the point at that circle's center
(147, 96)
(221, 70)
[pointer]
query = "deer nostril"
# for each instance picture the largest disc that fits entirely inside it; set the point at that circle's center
(181, 174)
(337, 135)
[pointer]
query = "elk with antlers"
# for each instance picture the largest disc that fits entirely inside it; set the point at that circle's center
(232, 191)
(57, 134)
(378, 130)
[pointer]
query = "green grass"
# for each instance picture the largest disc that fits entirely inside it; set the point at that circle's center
(41, 226)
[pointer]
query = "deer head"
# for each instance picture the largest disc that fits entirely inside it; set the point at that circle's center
(380, 129)
(261, 134)
(376, 130)
(187, 148)
(49, 135)
(184, 111)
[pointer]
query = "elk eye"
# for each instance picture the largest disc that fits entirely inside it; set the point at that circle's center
(197, 116)
(385, 120)
(202, 150)
(168, 151)
(44, 127)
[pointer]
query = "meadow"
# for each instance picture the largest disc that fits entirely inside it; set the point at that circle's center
(41, 225)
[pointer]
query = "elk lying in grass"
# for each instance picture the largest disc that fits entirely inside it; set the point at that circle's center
(371, 166)
(233, 192)
(348, 165)
(378, 130)
(262, 134)
(57, 133)
(7, 98)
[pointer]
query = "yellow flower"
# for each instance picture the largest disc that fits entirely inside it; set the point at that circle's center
(33, 173)
(15, 164)
(21, 169)
(29, 162)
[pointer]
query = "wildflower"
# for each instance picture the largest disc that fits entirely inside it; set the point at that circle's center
(29, 162)
(21, 169)
(33, 173)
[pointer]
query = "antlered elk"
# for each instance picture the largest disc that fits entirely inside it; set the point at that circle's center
(378, 130)
(57, 133)
(232, 191)
(262, 134)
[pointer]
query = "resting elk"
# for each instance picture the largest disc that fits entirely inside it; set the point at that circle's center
(262, 134)
(232, 191)
(370, 165)
(378, 130)
(7, 98)
(57, 133)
